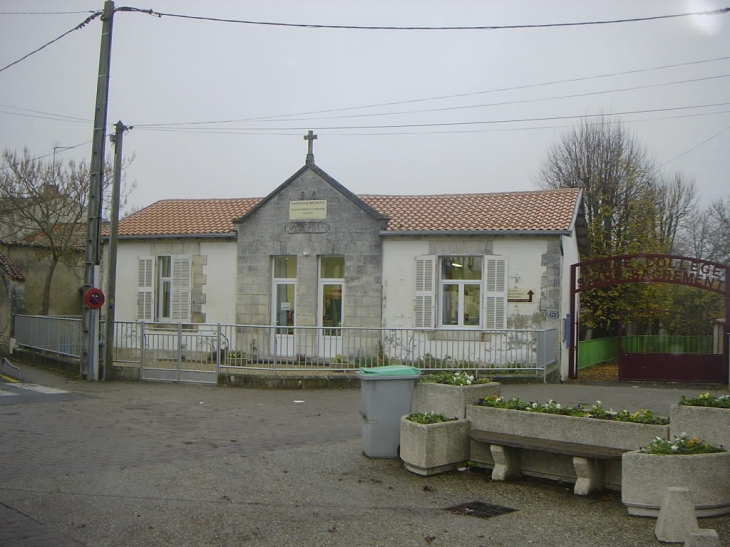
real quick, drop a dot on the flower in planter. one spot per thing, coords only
(682, 444)
(428, 418)
(455, 379)
(596, 411)
(721, 401)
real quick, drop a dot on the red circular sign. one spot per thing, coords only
(94, 298)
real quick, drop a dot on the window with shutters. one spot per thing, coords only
(164, 288)
(461, 291)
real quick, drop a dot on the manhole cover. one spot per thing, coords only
(480, 509)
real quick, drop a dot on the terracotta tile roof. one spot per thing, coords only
(75, 234)
(9, 269)
(544, 210)
(186, 217)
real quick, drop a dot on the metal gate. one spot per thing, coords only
(662, 346)
(181, 355)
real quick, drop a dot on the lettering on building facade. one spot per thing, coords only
(307, 227)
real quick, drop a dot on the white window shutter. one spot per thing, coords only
(425, 292)
(181, 288)
(145, 288)
(495, 292)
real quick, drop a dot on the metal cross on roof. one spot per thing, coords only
(310, 137)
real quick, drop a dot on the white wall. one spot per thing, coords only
(220, 287)
(218, 262)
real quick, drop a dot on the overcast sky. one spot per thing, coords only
(428, 88)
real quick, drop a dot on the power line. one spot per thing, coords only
(464, 123)
(77, 27)
(44, 12)
(44, 116)
(695, 147)
(504, 103)
(284, 132)
(443, 97)
(720, 11)
(64, 148)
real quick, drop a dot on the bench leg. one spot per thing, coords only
(590, 476)
(506, 462)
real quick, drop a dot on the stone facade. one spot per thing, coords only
(351, 229)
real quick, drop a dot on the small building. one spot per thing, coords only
(311, 254)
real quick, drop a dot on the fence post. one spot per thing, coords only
(218, 352)
(142, 353)
(179, 350)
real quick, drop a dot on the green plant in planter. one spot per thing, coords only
(428, 418)
(682, 444)
(455, 379)
(596, 411)
(721, 401)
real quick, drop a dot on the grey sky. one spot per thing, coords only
(170, 70)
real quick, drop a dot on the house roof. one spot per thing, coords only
(536, 211)
(187, 217)
(10, 270)
(74, 234)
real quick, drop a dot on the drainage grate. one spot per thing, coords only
(480, 509)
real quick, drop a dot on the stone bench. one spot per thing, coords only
(587, 459)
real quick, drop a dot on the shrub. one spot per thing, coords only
(428, 418)
(682, 444)
(454, 379)
(722, 401)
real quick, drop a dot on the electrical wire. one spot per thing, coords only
(443, 97)
(63, 148)
(503, 103)
(77, 27)
(45, 12)
(282, 133)
(464, 123)
(720, 11)
(695, 147)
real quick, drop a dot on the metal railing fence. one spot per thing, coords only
(173, 351)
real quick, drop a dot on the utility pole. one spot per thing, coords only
(90, 317)
(111, 289)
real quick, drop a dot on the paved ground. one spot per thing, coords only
(143, 464)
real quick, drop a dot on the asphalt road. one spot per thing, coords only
(150, 464)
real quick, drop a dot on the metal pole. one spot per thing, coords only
(111, 288)
(96, 186)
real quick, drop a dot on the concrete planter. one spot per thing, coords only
(428, 449)
(706, 423)
(604, 433)
(451, 400)
(623, 435)
(646, 478)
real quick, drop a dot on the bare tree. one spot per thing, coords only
(676, 202)
(719, 243)
(45, 203)
(616, 176)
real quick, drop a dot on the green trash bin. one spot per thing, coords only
(386, 394)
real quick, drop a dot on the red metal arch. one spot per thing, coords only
(645, 268)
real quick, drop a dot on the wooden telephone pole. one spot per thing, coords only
(89, 316)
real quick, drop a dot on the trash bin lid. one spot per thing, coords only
(391, 370)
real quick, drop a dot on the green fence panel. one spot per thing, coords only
(601, 350)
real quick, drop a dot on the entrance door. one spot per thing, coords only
(284, 305)
(332, 273)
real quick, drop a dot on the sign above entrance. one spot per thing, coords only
(308, 209)
(678, 270)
